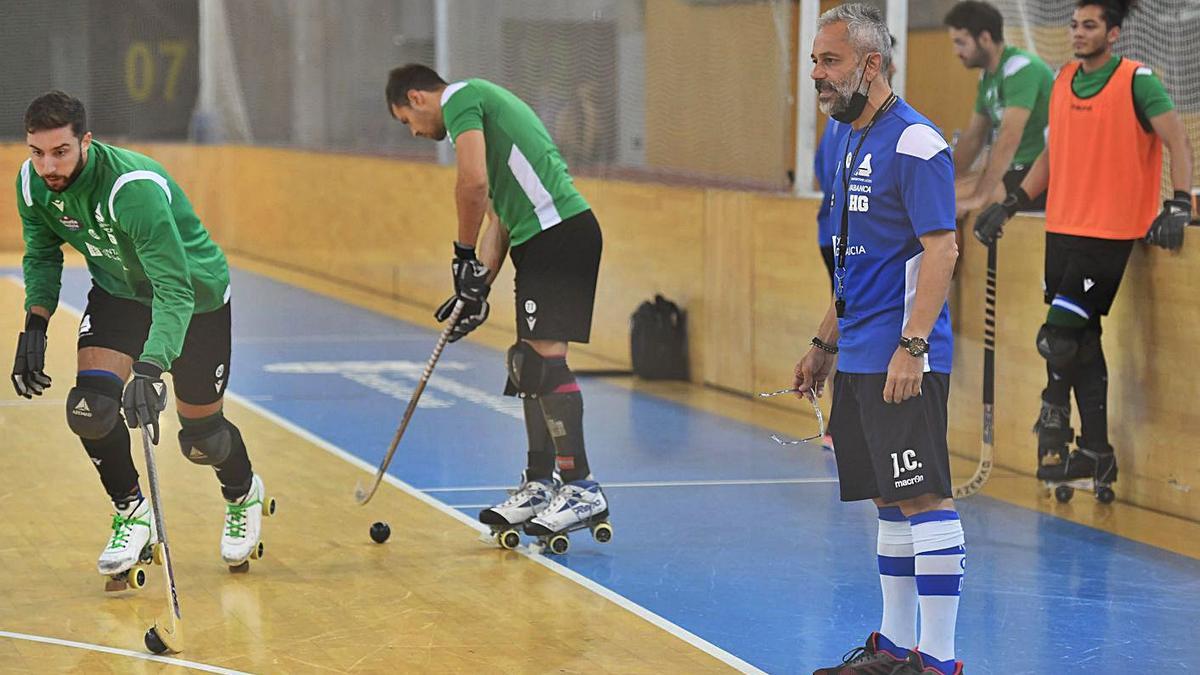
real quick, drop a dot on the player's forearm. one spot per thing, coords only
(933, 282)
(1038, 178)
(999, 160)
(1181, 164)
(965, 153)
(43, 280)
(471, 200)
(40, 311)
(493, 246)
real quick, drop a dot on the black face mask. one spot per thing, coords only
(854, 108)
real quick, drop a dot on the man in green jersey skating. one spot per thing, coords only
(506, 156)
(1011, 106)
(159, 303)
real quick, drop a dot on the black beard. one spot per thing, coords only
(1091, 55)
(74, 174)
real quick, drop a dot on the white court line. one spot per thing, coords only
(606, 593)
(669, 483)
(121, 652)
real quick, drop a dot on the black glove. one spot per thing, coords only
(145, 397)
(989, 224)
(1167, 229)
(28, 377)
(472, 287)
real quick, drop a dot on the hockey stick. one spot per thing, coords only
(816, 412)
(361, 494)
(986, 452)
(162, 637)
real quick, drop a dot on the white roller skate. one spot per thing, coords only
(506, 518)
(579, 504)
(130, 548)
(241, 540)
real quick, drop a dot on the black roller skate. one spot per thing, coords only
(1085, 469)
(1054, 432)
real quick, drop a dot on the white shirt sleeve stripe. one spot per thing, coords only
(25, 192)
(1014, 65)
(1143, 70)
(451, 90)
(920, 140)
(141, 174)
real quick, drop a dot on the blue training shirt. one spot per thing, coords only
(825, 163)
(902, 187)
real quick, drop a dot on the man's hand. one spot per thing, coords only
(989, 225)
(28, 376)
(968, 205)
(812, 371)
(1167, 229)
(471, 285)
(145, 397)
(473, 315)
(904, 376)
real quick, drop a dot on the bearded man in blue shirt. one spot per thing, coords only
(888, 330)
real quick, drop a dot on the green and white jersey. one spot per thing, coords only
(140, 237)
(528, 181)
(1022, 80)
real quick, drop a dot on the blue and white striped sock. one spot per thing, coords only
(940, 562)
(899, 582)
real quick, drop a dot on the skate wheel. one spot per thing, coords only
(157, 554)
(559, 544)
(268, 507)
(240, 568)
(509, 539)
(1063, 493)
(257, 552)
(137, 577)
(154, 643)
(602, 532)
(1105, 495)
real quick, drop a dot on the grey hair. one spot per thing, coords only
(868, 31)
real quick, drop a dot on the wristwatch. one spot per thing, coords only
(915, 345)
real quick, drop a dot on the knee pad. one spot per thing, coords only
(209, 446)
(94, 406)
(526, 371)
(1058, 345)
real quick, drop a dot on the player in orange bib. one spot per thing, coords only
(1109, 119)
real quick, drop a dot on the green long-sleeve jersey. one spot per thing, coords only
(139, 234)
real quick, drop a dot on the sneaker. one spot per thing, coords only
(915, 665)
(132, 531)
(243, 524)
(868, 659)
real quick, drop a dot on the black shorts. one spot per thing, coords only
(201, 372)
(889, 450)
(1086, 270)
(556, 280)
(1012, 180)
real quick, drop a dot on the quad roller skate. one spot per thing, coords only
(1084, 469)
(241, 540)
(508, 517)
(1054, 432)
(578, 505)
(131, 548)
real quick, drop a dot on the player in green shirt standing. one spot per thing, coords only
(505, 155)
(159, 303)
(1011, 107)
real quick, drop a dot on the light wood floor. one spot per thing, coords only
(325, 598)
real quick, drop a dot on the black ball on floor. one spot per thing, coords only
(154, 643)
(380, 532)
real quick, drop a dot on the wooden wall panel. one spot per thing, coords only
(744, 265)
